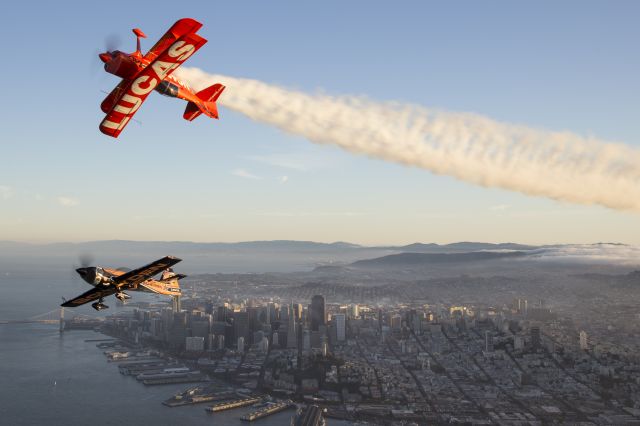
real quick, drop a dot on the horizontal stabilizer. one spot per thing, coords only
(174, 277)
(211, 93)
(207, 104)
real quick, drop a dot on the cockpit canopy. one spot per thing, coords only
(168, 89)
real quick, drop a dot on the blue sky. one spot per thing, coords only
(553, 65)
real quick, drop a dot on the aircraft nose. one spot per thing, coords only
(105, 57)
(82, 272)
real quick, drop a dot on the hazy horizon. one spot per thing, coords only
(236, 179)
(328, 242)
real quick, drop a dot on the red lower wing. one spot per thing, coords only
(113, 97)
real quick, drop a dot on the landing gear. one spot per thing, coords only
(122, 296)
(98, 306)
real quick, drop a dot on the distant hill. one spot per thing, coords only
(408, 260)
(461, 247)
(292, 255)
(247, 256)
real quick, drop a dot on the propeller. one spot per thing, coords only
(112, 42)
(86, 260)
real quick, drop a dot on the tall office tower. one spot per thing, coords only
(341, 326)
(535, 337)
(355, 310)
(264, 344)
(241, 344)
(61, 320)
(275, 339)
(414, 320)
(396, 322)
(176, 304)
(208, 308)
(257, 337)
(284, 312)
(292, 335)
(584, 344)
(230, 335)
(518, 343)
(241, 324)
(253, 314)
(297, 308)
(306, 340)
(200, 328)
(271, 313)
(221, 313)
(488, 341)
(317, 312)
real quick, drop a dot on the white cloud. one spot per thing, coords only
(298, 161)
(68, 201)
(601, 252)
(500, 207)
(285, 161)
(310, 214)
(283, 179)
(245, 174)
(6, 192)
(558, 165)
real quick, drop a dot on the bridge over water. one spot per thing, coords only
(55, 316)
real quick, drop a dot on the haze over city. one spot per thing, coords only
(568, 68)
(335, 213)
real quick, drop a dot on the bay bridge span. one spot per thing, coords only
(56, 317)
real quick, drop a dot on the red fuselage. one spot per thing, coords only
(128, 65)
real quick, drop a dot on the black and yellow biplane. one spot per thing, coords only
(115, 281)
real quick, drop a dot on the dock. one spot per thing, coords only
(309, 416)
(189, 378)
(236, 403)
(137, 368)
(181, 399)
(267, 411)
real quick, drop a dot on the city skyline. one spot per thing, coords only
(410, 212)
(544, 66)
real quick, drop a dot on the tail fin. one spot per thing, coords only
(207, 104)
(170, 281)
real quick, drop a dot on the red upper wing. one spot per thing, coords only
(180, 28)
(139, 87)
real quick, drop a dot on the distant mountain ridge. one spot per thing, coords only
(279, 244)
(421, 259)
(294, 255)
(463, 246)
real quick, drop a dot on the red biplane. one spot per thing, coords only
(143, 73)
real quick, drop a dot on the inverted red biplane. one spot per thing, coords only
(142, 74)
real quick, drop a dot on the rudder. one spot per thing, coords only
(208, 97)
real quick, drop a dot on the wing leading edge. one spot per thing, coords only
(89, 296)
(141, 274)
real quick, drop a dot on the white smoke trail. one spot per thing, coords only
(558, 165)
